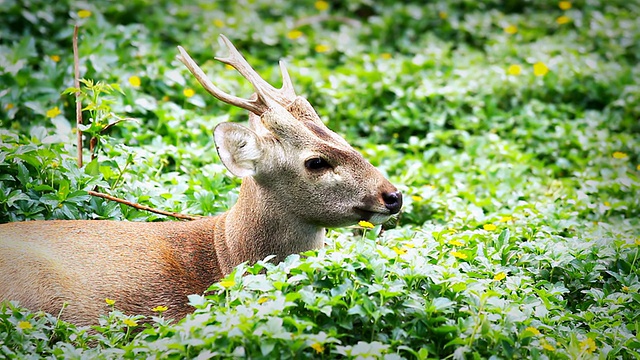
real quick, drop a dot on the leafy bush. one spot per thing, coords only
(510, 126)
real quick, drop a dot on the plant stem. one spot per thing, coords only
(126, 165)
(478, 324)
(634, 260)
(76, 82)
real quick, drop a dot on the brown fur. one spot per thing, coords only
(139, 265)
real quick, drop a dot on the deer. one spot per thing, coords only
(298, 178)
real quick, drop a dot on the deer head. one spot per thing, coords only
(289, 152)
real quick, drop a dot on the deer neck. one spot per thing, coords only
(259, 225)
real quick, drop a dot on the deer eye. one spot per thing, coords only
(317, 163)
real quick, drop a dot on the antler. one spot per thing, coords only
(266, 93)
(283, 96)
(256, 106)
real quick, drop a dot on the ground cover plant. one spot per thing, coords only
(510, 126)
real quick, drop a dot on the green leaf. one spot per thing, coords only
(77, 197)
(92, 168)
(70, 91)
(503, 238)
(266, 348)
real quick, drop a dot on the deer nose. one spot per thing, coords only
(392, 201)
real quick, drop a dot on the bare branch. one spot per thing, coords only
(143, 207)
(76, 82)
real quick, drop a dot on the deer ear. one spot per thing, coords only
(238, 148)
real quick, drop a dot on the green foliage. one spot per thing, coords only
(99, 108)
(510, 126)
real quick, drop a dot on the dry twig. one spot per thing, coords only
(143, 207)
(76, 83)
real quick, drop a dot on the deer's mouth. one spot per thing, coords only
(372, 215)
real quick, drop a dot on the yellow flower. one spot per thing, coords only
(318, 347)
(321, 48)
(456, 243)
(160, 309)
(294, 34)
(564, 5)
(540, 69)
(499, 276)
(532, 330)
(263, 300)
(227, 283)
(514, 70)
(53, 112)
(134, 81)
(620, 155)
(25, 325)
(55, 58)
(638, 241)
(228, 67)
(511, 29)
(385, 56)
(588, 345)
(625, 288)
(443, 15)
(545, 345)
(409, 245)
(637, 167)
(129, 322)
(10, 106)
(416, 198)
(506, 219)
(606, 203)
(322, 5)
(561, 20)
(84, 14)
(399, 251)
(218, 23)
(459, 255)
(188, 92)
(109, 301)
(365, 224)
(489, 227)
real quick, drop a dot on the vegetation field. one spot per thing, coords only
(511, 128)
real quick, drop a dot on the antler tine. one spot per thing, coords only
(287, 85)
(265, 91)
(256, 106)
